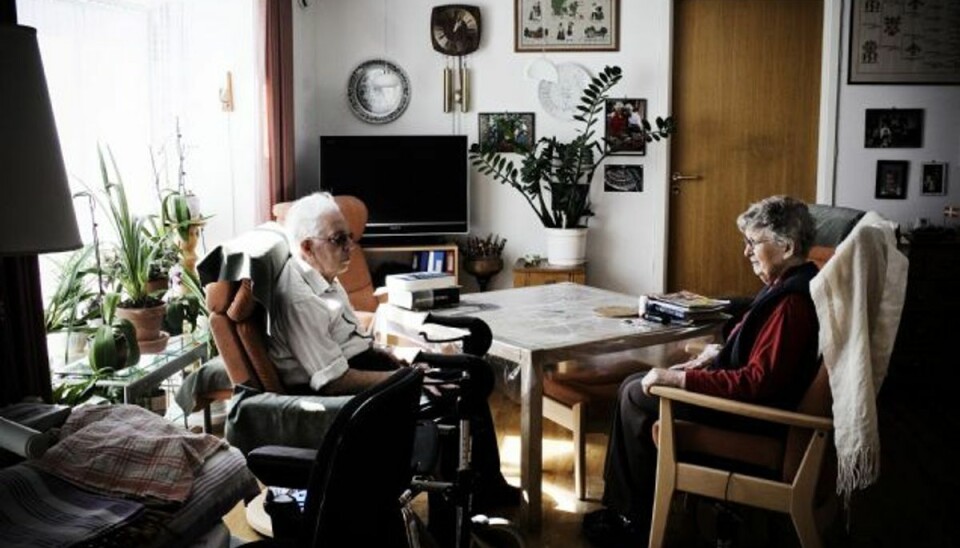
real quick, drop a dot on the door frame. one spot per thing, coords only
(831, 66)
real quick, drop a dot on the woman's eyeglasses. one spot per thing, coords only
(751, 244)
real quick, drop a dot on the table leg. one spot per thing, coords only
(531, 440)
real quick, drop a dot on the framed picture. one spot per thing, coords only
(898, 42)
(506, 131)
(566, 25)
(893, 128)
(623, 178)
(891, 179)
(623, 119)
(933, 179)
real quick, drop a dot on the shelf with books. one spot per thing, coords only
(421, 258)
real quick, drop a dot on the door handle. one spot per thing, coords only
(677, 176)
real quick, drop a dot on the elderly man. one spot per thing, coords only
(770, 357)
(316, 341)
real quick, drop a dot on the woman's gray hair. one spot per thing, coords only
(303, 220)
(786, 218)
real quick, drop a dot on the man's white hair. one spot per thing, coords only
(303, 220)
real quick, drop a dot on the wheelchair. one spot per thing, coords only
(385, 447)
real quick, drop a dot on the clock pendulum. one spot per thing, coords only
(455, 32)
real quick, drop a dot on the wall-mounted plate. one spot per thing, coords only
(560, 98)
(378, 91)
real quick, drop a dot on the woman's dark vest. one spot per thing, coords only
(736, 351)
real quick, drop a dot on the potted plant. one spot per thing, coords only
(555, 177)
(482, 257)
(70, 306)
(133, 256)
(114, 343)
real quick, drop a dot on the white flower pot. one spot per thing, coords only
(566, 246)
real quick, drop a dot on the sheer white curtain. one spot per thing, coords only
(122, 72)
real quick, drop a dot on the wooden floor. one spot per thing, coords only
(913, 504)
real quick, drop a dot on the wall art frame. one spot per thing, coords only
(893, 128)
(623, 178)
(892, 179)
(507, 131)
(566, 25)
(933, 179)
(898, 42)
(623, 129)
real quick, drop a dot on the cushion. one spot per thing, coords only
(833, 223)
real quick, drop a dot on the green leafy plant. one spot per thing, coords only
(554, 177)
(70, 303)
(115, 342)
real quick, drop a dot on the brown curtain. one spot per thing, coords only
(279, 99)
(24, 367)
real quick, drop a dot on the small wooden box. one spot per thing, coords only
(545, 273)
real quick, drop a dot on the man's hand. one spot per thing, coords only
(662, 377)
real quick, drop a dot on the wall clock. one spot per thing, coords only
(455, 29)
(560, 98)
(378, 91)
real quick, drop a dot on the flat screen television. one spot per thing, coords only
(413, 185)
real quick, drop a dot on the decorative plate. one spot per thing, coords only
(560, 98)
(379, 91)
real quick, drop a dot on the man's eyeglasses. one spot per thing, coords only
(342, 240)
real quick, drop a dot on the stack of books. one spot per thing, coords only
(422, 290)
(684, 308)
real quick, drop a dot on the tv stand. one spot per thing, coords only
(381, 253)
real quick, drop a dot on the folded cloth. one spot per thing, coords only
(859, 297)
(127, 450)
(37, 509)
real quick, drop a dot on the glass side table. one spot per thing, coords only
(150, 372)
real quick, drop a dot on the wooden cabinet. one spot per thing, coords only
(926, 338)
(544, 273)
(378, 254)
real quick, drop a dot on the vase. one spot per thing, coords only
(483, 268)
(566, 246)
(147, 322)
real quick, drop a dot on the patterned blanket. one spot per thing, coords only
(39, 510)
(126, 450)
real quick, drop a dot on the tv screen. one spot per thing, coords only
(411, 184)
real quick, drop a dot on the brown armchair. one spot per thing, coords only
(794, 474)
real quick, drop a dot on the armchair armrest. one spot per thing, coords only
(761, 412)
(282, 466)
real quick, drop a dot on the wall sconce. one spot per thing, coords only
(456, 87)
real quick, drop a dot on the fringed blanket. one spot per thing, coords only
(39, 510)
(859, 296)
(128, 451)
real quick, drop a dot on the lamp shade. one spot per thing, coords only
(36, 209)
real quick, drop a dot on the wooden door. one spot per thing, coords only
(746, 94)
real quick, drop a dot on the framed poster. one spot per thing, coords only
(891, 179)
(623, 121)
(623, 178)
(566, 25)
(904, 42)
(893, 128)
(933, 179)
(506, 131)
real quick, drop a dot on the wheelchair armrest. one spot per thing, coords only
(478, 338)
(281, 466)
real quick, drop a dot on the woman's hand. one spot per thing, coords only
(705, 358)
(662, 377)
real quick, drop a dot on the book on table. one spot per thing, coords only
(413, 281)
(424, 299)
(684, 307)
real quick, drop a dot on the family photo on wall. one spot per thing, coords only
(624, 126)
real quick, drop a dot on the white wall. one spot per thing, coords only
(856, 166)
(625, 244)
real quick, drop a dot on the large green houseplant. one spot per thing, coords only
(554, 176)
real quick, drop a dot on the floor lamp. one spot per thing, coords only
(36, 210)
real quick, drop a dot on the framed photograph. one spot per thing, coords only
(897, 42)
(623, 119)
(893, 128)
(623, 178)
(933, 179)
(566, 25)
(892, 179)
(506, 131)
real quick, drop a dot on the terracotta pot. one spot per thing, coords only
(158, 284)
(147, 322)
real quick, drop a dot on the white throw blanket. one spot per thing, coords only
(859, 296)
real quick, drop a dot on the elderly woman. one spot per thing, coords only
(769, 357)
